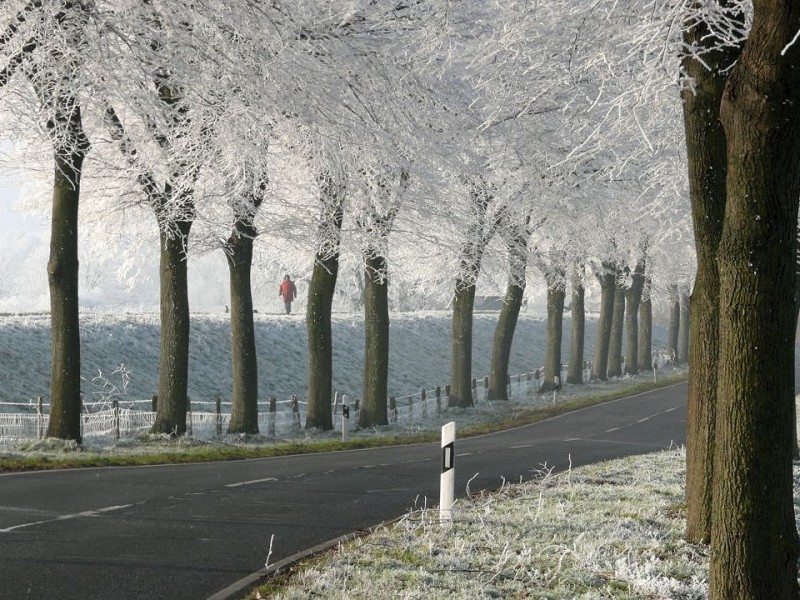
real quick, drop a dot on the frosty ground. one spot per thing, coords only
(612, 530)
(604, 531)
(419, 353)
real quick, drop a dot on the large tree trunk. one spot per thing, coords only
(645, 352)
(376, 335)
(62, 272)
(633, 297)
(684, 328)
(705, 149)
(472, 250)
(507, 322)
(575, 371)
(608, 286)
(796, 452)
(754, 545)
(320, 303)
(503, 338)
(244, 364)
(673, 329)
(461, 361)
(173, 362)
(617, 326)
(555, 328)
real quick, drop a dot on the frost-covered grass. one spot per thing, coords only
(611, 530)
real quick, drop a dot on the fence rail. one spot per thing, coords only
(110, 420)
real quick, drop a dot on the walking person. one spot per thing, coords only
(288, 292)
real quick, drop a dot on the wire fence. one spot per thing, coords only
(115, 418)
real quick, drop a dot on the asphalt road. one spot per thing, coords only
(188, 531)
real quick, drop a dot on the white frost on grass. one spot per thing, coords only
(611, 530)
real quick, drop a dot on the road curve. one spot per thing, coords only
(188, 531)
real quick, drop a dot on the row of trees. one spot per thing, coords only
(545, 133)
(178, 93)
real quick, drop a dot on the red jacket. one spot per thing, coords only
(287, 290)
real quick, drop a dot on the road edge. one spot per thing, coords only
(237, 590)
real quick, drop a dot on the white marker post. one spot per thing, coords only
(345, 420)
(447, 481)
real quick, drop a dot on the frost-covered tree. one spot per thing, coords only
(45, 42)
(376, 224)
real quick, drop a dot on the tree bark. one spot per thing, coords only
(633, 297)
(464, 298)
(796, 451)
(320, 303)
(244, 363)
(173, 362)
(684, 328)
(461, 362)
(555, 329)
(673, 329)
(575, 372)
(617, 326)
(503, 338)
(754, 545)
(608, 288)
(376, 336)
(62, 272)
(507, 322)
(645, 352)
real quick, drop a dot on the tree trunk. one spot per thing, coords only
(608, 287)
(503, 338)
(796, 451)
(754, 545)
(62, 272)
(617, 325)
(633, 297)
(705, 149)
(674, 323)
(461, 361)
(575, 372)
(244, 364)
(684, 328)
(320, 303)
(555, 328)
(173, 361)
(376, 335)
(507, 322)
(645, 352)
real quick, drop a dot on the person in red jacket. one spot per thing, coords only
(288, 292)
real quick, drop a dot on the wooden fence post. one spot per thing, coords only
(423, 396)
(392, 409)
(335, 406)
(438, 392)
(219, 414)
(115, 406)
(189, 429)
(154, 402)
(273, 407)
(295, 412)
(39, 419)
